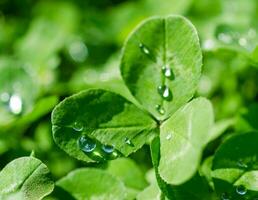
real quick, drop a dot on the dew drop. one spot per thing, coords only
(78, 51)
(4, 97)
(78, 126)
(15, 104)
(242, 41)
(225, 196)
(242, 164)
(160, 109)
(167, 72)
(144, 49)
(86, 144)
(169, 136)
(241, 190)
(165, 92)
(225, 38)
(129, 142)
(108, 148)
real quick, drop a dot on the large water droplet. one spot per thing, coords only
(86, 144)
(241, 190)
(165, 92)
(129, 142)
(160, 109)
(225, 196)
(15, 104)
(108, 148)
(78, 126)
(166, 70)
(144, 49)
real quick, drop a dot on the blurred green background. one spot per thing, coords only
(52, 49)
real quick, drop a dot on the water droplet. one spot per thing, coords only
(225, 196)
(168, 72)
(78, 126)
(78, 51)
(108, 148)
(160, 109)
(242, 164)
(129, 142)
(15, 104)
(225, 38)
(144, 49)
(241, 190)
(86, 144)
(4, 97)
(165, 92)
(208, 44)
(169, 136)
(242, 41)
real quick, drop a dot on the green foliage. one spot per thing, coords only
(170, 113)
(25, 178)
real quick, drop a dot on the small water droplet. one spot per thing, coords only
(242, 41)
(225, 38)
(242, 164)
(15, 104)
(108, 148)
(165, 92)
(169, 136)
(208, 44)
(129, 142)
(5, 97)
(160, 109)
(225, 196)
(168, 72)
(241, 190)
(86, 144)
(78, 126)
(144, 49)
(78, 51)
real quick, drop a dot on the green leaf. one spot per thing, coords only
(161, 64)
(128, 172)
(235, 166)
(182, 139)
(196, 188)
(102, 118)
(220, 127)
(86, 184)
(152, 192)
(25, 178)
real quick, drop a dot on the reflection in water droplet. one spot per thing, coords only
(5, 97)
(169, 136)
(144, 49)
(86, 144)
(167, 72)
(78, 126)
(242, 164)
(108, 148)
(225, 196)
(225, 38)
(129, 142)
(160, 109)
(241, 190)
(78, 51)
(15, 104)
(165, 92)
